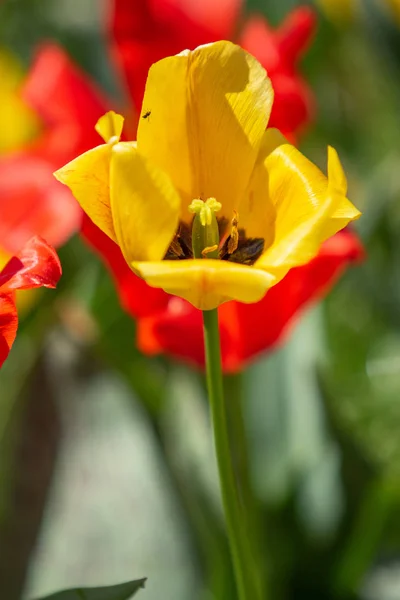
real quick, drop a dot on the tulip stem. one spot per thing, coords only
(239, 542)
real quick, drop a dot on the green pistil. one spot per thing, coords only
(205, 233)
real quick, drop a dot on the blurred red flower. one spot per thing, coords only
(141, 33)
(31, 201)
(247, 330)
(36, 265)
(145, 31)
(279, 52)
(167, 324)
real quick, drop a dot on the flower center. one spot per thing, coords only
(205, 231)
(210, 237)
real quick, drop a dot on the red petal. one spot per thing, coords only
(218, 19)
(285, 302)
(258, 38)
(247, 330)
(178, 332)
(137, 298)
(295, 34)
(278, 51)
(68, 103)
(32, 203)
(293, 106)
(147, 30)
(8, 325)
(36, 265)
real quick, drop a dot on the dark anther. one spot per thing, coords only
(247, 252)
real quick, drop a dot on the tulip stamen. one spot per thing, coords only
(181, 246)
(209, 249)
(233, 239)
(238, 248)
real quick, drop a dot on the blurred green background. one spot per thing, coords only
(107, 468)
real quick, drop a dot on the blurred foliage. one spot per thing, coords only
(123, 591)
(85, 419)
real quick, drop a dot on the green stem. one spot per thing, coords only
(246, 581)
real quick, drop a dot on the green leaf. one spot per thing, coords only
(122, 591)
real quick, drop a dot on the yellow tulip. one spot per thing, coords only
(204, 150)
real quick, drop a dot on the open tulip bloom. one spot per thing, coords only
(210, 205)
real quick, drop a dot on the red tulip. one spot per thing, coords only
(248, 330)
(76, 105)
(279, 52)
(145, 31)
(170, 325)
(31, 201)
(36, 265)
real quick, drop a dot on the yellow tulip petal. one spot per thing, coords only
(298, 246)
(343, 211)
(145, 205)
(338, 188)
(109, 126)
(336, 175)
(309, 208)
(206, 283)
(88, 178)
(257, 213)
(298, 191)
(209, 109)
